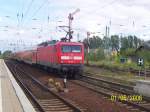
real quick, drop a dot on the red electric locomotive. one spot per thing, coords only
(65, 57)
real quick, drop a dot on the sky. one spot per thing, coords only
(24, 23)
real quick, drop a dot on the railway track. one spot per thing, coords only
(108, 89)
(142, 72)
(43, 99)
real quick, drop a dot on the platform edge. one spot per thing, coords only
(25, 103)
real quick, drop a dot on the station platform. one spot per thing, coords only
(12, 97)
(143, 87)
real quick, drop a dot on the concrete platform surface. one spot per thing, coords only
(12, 97)
(143, 87)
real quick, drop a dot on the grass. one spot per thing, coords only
(117, 65)
(121, 77)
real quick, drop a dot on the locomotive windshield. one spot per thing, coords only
(71, 48)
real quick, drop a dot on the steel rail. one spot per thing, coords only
(26, 89)
(120, 87)
(67, 102)
(111, 90)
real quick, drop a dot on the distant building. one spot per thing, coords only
(145, 45)
(114, 52)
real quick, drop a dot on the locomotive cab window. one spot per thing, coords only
(71, 48)
(76, 48)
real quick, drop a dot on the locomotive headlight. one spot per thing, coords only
(64, 57)
(77, 58)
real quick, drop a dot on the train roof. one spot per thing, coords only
(34, 50)
(55, 42)
(48, 43)
(69, 43)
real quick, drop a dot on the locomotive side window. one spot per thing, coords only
(71, 48)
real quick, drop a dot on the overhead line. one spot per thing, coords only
(38, 9)
(110, 3)
(19, 13)
(26, 12)
(22, 8)
(28, 9)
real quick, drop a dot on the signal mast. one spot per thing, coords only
(70, 31)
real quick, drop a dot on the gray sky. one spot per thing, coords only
(19, 18)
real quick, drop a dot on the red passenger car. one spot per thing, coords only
(65, 57)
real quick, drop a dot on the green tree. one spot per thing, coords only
(130, 41)
(135, 42)
(106, 42)
(145, 54)
(99, 42)
(115, 41)
(94, 42)
(100, 54)
(124, 43)
(7, 53)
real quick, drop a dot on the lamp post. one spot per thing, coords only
(87, 58)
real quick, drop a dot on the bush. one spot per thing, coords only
(100, 54)
(145, 54)
(96, 55)
(6, 54)
(128, 52)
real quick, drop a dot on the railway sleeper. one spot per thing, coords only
(135, 110)
(49, 100)
(47, 109)
(61, 111)
(146, 104)
(54, 104)
(50, 104)
(142, 102)
(58, 106)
